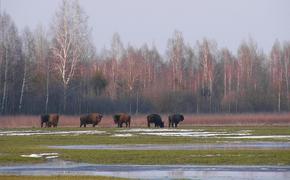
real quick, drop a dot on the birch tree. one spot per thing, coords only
(276, 73)
(43, 59)
(11, 48)
(207, 70)
(176, 59)
(70, 33)
(28, 49)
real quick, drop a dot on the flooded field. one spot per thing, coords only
(148, 153)
(57, 167)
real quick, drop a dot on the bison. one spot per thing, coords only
(156, 119)
(93, 118)
(122, 118)
(50, 120)
(174, 119)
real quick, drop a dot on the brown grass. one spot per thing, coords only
(21, 121)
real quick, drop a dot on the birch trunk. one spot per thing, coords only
(287, 82)
(47, 87)
(23, 86)
(5, 82)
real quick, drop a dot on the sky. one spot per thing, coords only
(228, 22)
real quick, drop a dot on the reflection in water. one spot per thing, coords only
(59, 167)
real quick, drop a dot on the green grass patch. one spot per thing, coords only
(206, 157)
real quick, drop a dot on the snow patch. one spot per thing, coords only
(158, 130)
(194, 134)
(44, 132)
(46, 155)
(122, 135)
(259, 137)
(51, 157)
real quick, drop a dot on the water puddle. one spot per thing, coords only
(240, 145)
(58, 167)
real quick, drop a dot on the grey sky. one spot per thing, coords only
(229, 22)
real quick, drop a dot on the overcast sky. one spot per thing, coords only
(229, 22)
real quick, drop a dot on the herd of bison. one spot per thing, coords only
(51, 120)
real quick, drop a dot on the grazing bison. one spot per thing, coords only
(156, 119)
(122, 118)
(174, 119)
(50, 120)
(93, 118)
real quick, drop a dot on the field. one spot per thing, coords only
(214, 142)
(140, 120)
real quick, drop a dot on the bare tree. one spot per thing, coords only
(43, 59)
(70, 33)
(207, 70)
(28, 49)
(176, 58)
(276, 73)
(10, 44)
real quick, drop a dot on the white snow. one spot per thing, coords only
(44, 132)
(32, 156)
(194, 134)
(46, 155)
(157, 130)
(259, 137)
(122, 135)
(51, 157)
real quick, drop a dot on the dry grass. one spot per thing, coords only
(21, 121)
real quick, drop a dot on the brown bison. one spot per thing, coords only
(93, 118)
(50, 120)
(174, 119)
(156, 119)
(122, 118)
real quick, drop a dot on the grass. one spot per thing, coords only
(4, 177)
(13, 146)
(205, 157)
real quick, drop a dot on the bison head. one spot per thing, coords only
(162, 124)
(181, 117)
(99, 117)
(116, 118)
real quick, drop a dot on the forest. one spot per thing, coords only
(59, 70)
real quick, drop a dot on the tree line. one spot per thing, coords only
(58, 70)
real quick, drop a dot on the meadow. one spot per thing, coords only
(23, 142)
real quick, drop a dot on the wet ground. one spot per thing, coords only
(230, 145)
(194, 133)
(58, 167)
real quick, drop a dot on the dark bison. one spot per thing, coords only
(174, 119)
(156, 119)
(93, 118)
(50, 120)
(122, 118)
